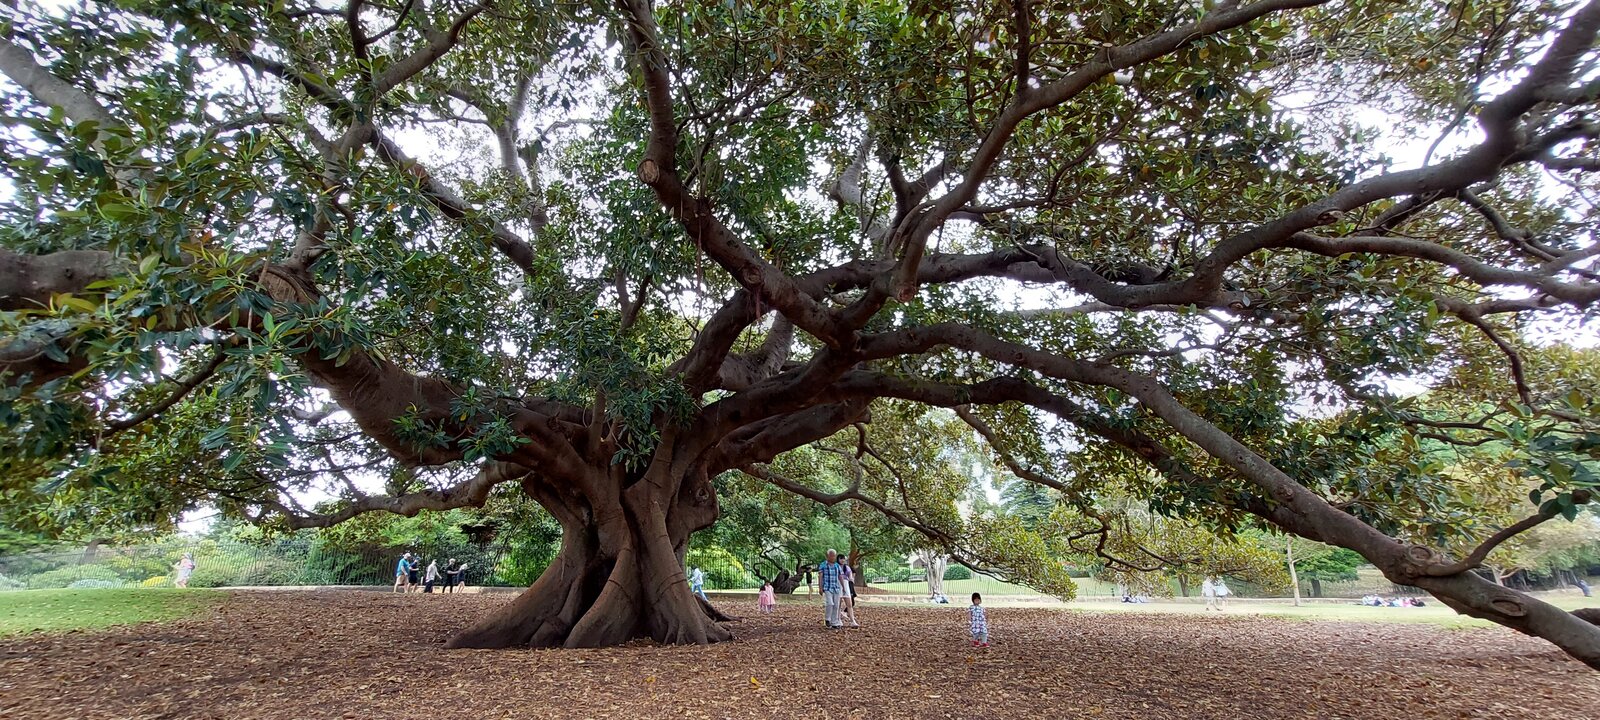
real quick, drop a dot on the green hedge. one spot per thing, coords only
(957, 572)
(212, 575)
(62, 577)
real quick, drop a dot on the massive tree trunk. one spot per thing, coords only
(853, 559)
(619, 574)
(935, 565)
(785, 582)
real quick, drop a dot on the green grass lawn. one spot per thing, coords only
(988, 586)
(1435, 613)
(30, 611)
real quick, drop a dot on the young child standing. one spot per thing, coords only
(768, 598)
(978, 622)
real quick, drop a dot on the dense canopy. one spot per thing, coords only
(1219, 264)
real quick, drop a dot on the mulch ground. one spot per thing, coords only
(372, 655)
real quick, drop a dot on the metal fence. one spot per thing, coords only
(235, 564)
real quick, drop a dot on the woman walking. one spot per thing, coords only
(184, 567)
(847, 600)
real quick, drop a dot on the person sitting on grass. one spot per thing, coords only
(978, 622)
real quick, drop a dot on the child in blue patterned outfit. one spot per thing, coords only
(978, 622)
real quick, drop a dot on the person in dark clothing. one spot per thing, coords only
(452, 575)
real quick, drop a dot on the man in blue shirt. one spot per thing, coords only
(402, 570)
(829, 581)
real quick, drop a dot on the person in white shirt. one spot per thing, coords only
(431, 576)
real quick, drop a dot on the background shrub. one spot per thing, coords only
(267, 572)
(62, 577)
(957, 572)
(157, 581)
(91, 584)
(896, 574)
(723, 570)
(212, 575)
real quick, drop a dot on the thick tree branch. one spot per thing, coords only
(182, 390)
(912, 237)
(659, 171)
(469, 493)
(1476, 557)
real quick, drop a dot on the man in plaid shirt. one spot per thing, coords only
(829, 581)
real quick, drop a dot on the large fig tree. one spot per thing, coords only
(305, 259)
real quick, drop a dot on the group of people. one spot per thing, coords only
(1377, 601)
(1216, 593)
(182, 569)
(410, 576)
(837, 582)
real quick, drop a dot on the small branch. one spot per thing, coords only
(1022, 27)
(184, 387)
(469, 493)
(438, 44)
(1476, 557)
(993, 439)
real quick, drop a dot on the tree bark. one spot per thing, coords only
(619, 573)
(853, 559)
(1294, 577)
(935, 565)
(786, 582)
(1316, 588)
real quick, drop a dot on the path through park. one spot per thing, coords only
(372, 655)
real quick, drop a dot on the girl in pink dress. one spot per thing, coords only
(767, 598)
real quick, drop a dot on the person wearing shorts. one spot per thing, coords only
(847, 601)
(402, 570)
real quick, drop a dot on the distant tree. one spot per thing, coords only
(1029, 502)
(1318, 563)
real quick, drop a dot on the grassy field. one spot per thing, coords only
(1434, 614)
(989, 586)
(29, 611)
